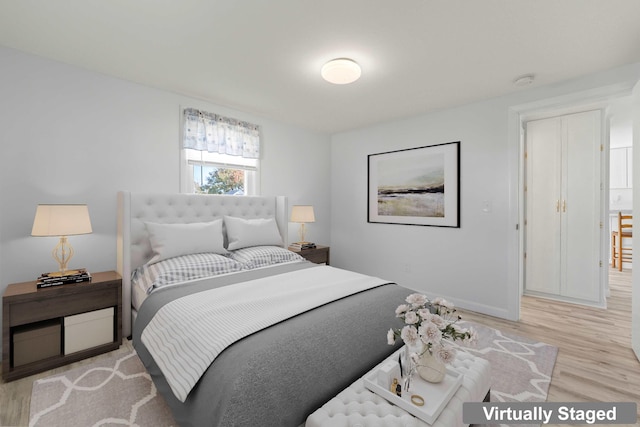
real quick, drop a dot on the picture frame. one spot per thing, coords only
(415, 186)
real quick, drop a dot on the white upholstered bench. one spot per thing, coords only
(356, 406)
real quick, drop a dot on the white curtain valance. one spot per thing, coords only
(210, 132)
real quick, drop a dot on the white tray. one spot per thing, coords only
(435, 395)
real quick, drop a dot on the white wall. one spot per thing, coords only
(474, 266)
(68, 135)
(635, 283)
(620, 135)
(431, 259)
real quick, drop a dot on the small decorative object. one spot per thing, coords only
(77, 276)
(430, 368)
(395, 387)
(428, 325)
(417, 400)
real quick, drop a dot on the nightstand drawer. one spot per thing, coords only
(318, 255)
(64, 304)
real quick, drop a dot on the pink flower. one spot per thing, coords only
(424, 314)
(417, 299)
(429, 333)
(401, 310)
(409, 335)
(438, 320)
(411, 318)
(445, 354)
(443, 302)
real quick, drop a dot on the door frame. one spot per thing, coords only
(517, 115)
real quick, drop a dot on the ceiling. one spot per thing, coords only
(264, 56)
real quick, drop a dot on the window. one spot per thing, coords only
(215, 173)
(219, 155)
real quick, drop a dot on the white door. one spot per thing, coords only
(563, 216)
(543, 185)
(581, 217)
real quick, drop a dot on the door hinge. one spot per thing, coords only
(601, 225)
(600, 263)
(525, 155)
(601, 147)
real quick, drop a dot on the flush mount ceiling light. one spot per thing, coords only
(523, 81)
(341, 71)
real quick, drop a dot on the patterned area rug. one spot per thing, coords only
(113, 391)
(117, 390)
(520, 368)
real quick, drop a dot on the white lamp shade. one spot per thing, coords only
(302, 213)
(341, 71)
(61, 220)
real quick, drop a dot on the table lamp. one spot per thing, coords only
(62, 221)
(302, 214)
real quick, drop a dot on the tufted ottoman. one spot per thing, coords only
(356, 406)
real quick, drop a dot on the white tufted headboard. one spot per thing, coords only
(134, 209)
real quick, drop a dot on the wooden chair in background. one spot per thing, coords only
(619, 252)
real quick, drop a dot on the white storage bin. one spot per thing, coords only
(86, 330)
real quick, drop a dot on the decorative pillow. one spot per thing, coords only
(261, 256)
(243, 233)
(180, 269)
(171, 240)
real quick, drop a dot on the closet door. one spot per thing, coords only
(581, 206)
(543, 183)
(563, 212)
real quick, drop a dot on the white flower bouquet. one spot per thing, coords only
(428, 325)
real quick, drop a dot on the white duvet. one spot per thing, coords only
(186, 335)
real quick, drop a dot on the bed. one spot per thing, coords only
(234, 329)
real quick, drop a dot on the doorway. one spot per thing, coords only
(599, 98)
(564, 207)
(620, 168)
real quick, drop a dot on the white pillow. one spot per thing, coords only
(171, 240)
(261, 256)
(243, 233)
(179, 269)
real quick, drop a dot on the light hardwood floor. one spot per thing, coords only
(595, 361)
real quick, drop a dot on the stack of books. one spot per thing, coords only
(300, 246)
(49, 279)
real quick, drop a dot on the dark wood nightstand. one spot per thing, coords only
(319, 254)
(35, 322)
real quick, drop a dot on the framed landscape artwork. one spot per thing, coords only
(416, 186)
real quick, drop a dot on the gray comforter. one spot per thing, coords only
(280, 375)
